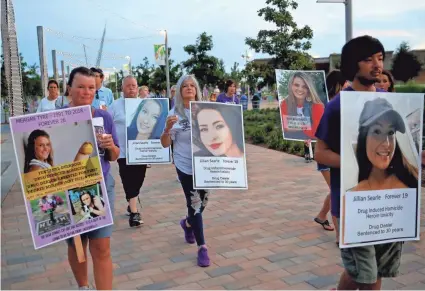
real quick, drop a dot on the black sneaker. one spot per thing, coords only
(128, 211)
(135, 220)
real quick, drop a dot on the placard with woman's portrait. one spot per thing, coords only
(381, 135)
(218, 146)
(145, 121)
(56, 153)
(302, 99)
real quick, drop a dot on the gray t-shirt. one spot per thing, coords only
(180, 135)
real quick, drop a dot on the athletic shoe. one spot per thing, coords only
(135, 220)
(188, 232)
(203, 259)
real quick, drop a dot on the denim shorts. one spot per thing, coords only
(321, 167)
(107, 230)
(366, 264)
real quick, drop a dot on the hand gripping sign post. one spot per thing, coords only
(218, 146)
(145, 121)
(380, 167)
(61, 175)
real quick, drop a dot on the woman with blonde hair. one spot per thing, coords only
(304, 102)
(178, 131)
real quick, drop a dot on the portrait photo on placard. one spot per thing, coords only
(87, 202)
(217, 130)
(44, 148)
(218, 146)
(145, 122)
(302, 99)
(381, 137)
(145, 118)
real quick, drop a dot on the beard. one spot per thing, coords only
(367, 82)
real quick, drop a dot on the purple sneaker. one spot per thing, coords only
(188, 232)
(203, 259)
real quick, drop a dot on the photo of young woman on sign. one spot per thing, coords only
(217, 130)
(148, 120)
(302, 97)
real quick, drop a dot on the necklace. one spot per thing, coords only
(390, 184)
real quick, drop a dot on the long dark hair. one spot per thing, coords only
(30, 149)
(84, 192)
(334, 83)
(231, 115)
(159, 125)
(399, 166)
(390, 79)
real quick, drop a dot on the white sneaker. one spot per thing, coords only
(85, 288)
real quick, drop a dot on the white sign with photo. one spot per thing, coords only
(218, 146)
(380, 167)
(145, 122)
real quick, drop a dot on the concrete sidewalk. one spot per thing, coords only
(9, 171)
(263, 238)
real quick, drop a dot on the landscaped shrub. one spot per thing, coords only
(410, 87)
(264, 127)
(258, 136)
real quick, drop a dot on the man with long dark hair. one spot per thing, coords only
(362, 62)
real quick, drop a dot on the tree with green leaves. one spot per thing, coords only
(158, 81)
(287, 44)
(207, 69)
(143, 72)
(406, 65)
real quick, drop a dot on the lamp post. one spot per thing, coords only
(247, 57)
(167, 65)
(129, 64)
(116, 82)
(348, 16)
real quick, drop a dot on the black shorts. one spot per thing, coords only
(132, 178)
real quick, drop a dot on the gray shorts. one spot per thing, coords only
(107, 230)
(368, 263)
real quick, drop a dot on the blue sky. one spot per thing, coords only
(228, 21)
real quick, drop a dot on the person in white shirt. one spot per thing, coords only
(144, 92)
(48, 103)
(132, 176)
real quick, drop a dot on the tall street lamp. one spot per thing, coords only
(348, 16)
(247, 57)
(129, 64)
(167, 65)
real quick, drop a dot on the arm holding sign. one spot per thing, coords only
(324, 155)
(166, 136)
(325, 134)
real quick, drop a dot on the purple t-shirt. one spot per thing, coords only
(109, 128)
(329, 131)
(222, 98)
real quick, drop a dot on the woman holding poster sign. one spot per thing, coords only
(382, 164)
(148, 121)
(217, 130)
(178, 131)
(82, 88)
(302, 109)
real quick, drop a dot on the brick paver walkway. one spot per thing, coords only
(263, 238)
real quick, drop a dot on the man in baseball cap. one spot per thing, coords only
(362, 62)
